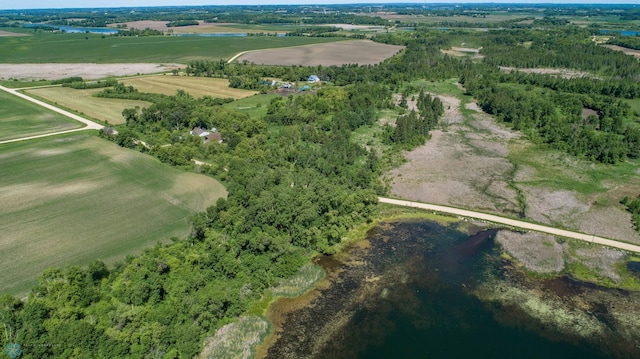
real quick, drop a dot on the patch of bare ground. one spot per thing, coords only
(537, 252)
(87, 71)
(464, 52)
(632, 52)
(460, 166)
(8, 34)
(564, 73)
(362, 52)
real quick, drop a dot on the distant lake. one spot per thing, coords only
(75, 30)
(622, 32)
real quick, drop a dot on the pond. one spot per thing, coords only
(418, 289)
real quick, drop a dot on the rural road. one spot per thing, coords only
(515, 223)
(238, 55)
(90, 125)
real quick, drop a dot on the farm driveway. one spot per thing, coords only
(90, 125)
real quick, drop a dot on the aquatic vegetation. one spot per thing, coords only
(550, 312)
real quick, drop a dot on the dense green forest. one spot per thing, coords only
(296, 180)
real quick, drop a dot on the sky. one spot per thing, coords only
(48, 4)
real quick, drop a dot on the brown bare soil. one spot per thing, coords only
(460, 165)
(632, 52)
(86, 71)
(201, 28)
(8, 33)
(363, 52)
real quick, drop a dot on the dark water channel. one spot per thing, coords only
(406, 292)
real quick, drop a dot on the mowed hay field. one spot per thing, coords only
(21, 118)
(76, 198)
(196, 86)
(362, 52)
(103, 109)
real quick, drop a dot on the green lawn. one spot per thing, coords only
(21, 118)
(256, 106)
(75, 198)
(83, 48)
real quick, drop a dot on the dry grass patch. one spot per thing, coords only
(196, 86)
(362, 52)
(9, 34)
(103, 109)
(564, 73)
(632, 52)
(86, 71)
(537, 252)
(463, 165)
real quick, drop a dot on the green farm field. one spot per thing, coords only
(91, 48)
(20, 118)
(107, 110)
(76, 198)
(196, 86)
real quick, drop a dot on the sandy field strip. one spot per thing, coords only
(86, 71)
(362, 52)
(516, 223)
(9, 34)
(104, 109)
(196, 86)
(632, 52)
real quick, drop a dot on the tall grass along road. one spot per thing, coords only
(516, 223)
(90, 125)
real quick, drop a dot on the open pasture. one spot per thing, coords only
(196, 86)
(76, 198)
(93, 48)
(362, 52)
(20, 118)
(107, 110)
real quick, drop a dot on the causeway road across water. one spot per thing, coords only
(516, 223)
(89, 125)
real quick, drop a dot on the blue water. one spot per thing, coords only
(76, 30)
(622, 32)
(408, 293)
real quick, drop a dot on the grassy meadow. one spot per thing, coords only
(94, 48)
(20, 118)
(107, 110)
(196, 86)
(256, 106)
(76, 198)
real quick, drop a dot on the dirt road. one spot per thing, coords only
(89, 125)
(516, 223)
